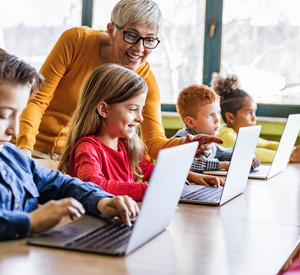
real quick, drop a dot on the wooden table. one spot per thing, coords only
(251, 234)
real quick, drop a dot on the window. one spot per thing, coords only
(260, 43)
(178, 60)
(29, 29)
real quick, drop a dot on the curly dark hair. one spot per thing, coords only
(231, 96)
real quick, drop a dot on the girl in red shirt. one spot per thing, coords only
(102, 144)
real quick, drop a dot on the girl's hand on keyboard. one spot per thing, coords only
(207, 180)
(123, 207)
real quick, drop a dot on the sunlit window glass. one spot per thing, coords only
(29, 29)
(178, 60)
(260, 43)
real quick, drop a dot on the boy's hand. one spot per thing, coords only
(204, 148)
(207, 180)
(255, 164)
(123, 207)
(52, 212)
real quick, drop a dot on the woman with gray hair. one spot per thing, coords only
(130, 38)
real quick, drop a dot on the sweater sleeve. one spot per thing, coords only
(265, 155)
(223, 153)
(13, 224)
(265, 150)
(153, 133)
(53, 70)
(267, 144)
(228, 135)
(204, 164)
(87, 166)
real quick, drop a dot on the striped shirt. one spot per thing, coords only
(218, 153)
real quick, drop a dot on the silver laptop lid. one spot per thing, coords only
(286, 145)
(162, 195)
(240, 164)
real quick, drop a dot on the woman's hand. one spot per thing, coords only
(123, 207)
(207, 180)
(204, 147)
(52, 212)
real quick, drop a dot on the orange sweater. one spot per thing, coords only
(45, 121)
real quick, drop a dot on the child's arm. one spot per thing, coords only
(224, 165)
(207, 180)
(222, 153)
(63, 195)
(267, 144)
(205, 164)
(86, 164)
(24, 184)
(219, 159)
(228, 135)
(50, 214)
(147, 168)
(265, 155)
(135, 190)
(13, 224)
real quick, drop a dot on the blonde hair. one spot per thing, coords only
(135, 12)
(192, 97)
(113, 84)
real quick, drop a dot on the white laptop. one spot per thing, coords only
(282, 155)
(97, 235)
(237, 176)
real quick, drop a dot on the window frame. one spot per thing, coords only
(211, 56)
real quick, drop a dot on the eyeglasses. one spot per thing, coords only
(134, 38)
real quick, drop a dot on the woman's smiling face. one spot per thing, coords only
(128, 55)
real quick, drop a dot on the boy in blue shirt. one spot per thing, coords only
(24, 184)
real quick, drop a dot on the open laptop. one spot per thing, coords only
(282, 155)
(237, 176)
(291, 257)
(111, 237)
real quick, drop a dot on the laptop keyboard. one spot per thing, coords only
(204, 194)
(109, 236)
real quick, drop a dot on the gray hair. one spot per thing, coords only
(135, 12)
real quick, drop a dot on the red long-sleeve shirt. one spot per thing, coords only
(91, 160)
